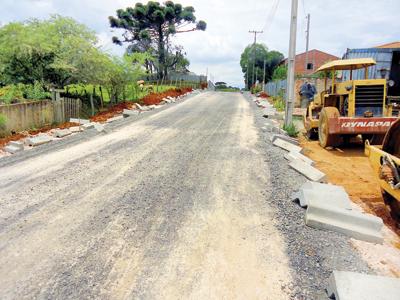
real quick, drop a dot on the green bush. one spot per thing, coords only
(18, 92)
(35, 92)
(256, 89)
(11, 93)
(291, 130)
(280, 73)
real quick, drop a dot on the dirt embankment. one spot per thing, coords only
(153, 98)
(349, 167)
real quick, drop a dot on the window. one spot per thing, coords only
(310, 66)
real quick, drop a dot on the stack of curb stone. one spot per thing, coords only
(329, 207)
(297, 160)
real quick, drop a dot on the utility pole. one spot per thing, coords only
(255, 32)
(291, 65)
(264, 77)
(307, 40)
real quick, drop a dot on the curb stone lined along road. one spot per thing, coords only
(313, 253)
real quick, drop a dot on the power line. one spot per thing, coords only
(304, 8)
(271, 15)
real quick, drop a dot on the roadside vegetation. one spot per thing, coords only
(278, 101)
(291, 130)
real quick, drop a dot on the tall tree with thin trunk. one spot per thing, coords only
(152, 25)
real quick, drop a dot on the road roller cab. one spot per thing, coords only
(349, 108)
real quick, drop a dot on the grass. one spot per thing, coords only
(279, 103)
(291, 130)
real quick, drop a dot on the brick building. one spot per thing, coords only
(316, 59)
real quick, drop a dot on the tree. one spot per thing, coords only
(252, 63)
(118, 73)
(57, 51)
(152, 25)
(280, 73)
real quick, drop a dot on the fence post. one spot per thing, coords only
(91, 103)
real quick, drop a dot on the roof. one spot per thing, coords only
(347, 64)
(310, 53)
(390, 45)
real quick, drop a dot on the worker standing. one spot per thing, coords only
(307, 92)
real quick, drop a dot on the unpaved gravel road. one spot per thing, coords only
(170, 206)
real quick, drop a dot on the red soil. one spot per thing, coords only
(112, 111)
(263, 95)
(24, 134)
(150, 99)
(155, 98)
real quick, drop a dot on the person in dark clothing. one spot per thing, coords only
(307, 92)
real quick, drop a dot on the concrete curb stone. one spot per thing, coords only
(38, 140)
(287, 146)
(79, 121)
(352, 223)
(308, 171)
(293, 155)
(345, 285)
(60, 133)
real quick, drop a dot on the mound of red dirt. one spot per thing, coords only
(150, 99)
(156, 98)
(112, 111)
(263, 95)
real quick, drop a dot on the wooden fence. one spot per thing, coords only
(37, 114)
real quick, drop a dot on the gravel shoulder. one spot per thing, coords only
(313, 254)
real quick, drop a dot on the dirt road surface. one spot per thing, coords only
(166, 207)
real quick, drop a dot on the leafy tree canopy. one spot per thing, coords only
(149, 27)
(54, 51)
(252, 62)
(280, 73)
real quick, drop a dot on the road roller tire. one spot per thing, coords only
(325, 138)
(394, 206)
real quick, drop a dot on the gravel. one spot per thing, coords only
(313, 253)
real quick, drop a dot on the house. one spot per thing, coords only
(316, 58)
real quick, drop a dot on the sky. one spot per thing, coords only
(335, 26)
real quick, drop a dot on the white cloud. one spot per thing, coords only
(335, 26)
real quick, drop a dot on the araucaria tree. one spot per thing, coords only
(149, 27)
